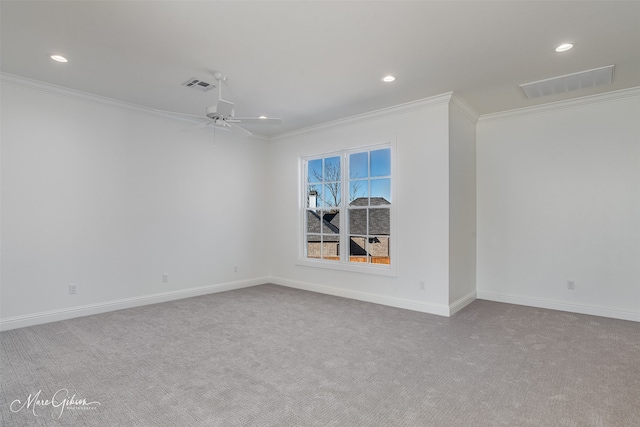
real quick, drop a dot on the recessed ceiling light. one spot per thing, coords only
(59, 58)
(564, 47)
(388, 79)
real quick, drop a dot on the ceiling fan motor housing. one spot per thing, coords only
(212, 113)
(223, 110)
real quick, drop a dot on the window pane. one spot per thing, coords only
(313, 196)
(381, 162)
(314, 168)
(357, 221)
(332, 194)
(357, 249)
(331, 223)
(313, 246)
(358, 193)
(380, 191)
(332, 169)
(379, 250)
(331, 248)
(359, 165)
(379, 221)
(313, 222)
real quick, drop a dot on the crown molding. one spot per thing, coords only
(563, 105)
(464, 108)
(420, 104)
(51, 89)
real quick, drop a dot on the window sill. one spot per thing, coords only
(379, 270)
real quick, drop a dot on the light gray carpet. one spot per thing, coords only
(274, 356)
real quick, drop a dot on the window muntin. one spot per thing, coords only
(348, 205)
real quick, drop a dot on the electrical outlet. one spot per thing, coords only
(73, 289)
(235, 269)
(165, 278)
(571, 285)
(422, 286)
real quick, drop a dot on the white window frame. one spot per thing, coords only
(344, 264)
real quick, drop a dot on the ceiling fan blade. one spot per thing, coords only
(177, 114)
(258, 120)
(224, 108)
(203, 125)
(200, 126)
(236, 128)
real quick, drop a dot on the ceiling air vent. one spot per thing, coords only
(198, 84)
(583, 79)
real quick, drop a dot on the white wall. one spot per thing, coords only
(558, 201)
(110, 197)
(462, 203)
(421, 134)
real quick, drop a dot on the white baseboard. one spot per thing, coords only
(441, 310)
(103, 307)
(562, 306)
(461, 303)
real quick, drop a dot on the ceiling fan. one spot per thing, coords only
(222, 114)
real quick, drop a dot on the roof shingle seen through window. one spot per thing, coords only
(328, 221)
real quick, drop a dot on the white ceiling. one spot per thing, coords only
(309, 62)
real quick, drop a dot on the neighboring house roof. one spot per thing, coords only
(379, 219)
(330, 222)
(369, 201)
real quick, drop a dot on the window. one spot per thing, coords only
(348, 209)
(324, 183)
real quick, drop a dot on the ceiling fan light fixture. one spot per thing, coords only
(59, 58)
(564, 47)
(388, 79)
